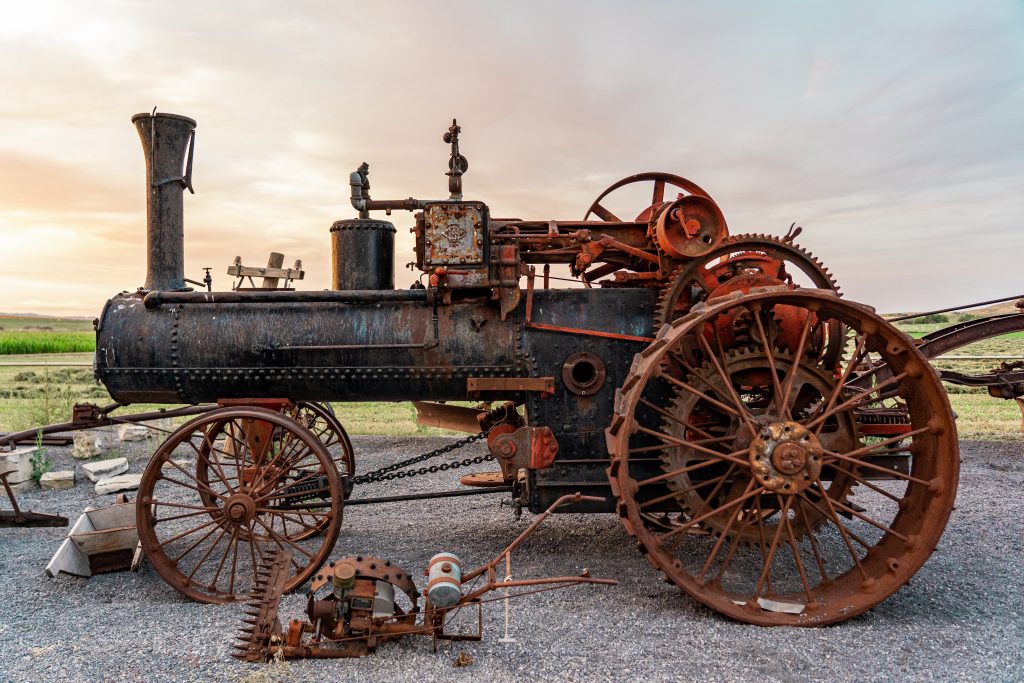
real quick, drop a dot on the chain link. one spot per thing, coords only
(389, 472)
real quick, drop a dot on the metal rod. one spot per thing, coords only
(977, 358)
(355, 296)
(955, 308)
(13, 437)
(422, 496)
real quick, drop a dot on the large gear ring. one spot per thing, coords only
(695, 281)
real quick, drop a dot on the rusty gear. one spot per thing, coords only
(676, 297)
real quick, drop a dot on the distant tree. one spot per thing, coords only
(930, 318)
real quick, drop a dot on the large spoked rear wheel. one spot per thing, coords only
(786, 513)
(260, 481)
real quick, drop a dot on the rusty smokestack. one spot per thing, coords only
(167, 141)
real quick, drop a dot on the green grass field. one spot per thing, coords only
(31, 396)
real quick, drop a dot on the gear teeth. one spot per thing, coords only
(260, 613)
(669, 295)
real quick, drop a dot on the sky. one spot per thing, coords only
(892, 132)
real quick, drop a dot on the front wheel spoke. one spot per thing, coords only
(770, 357)
(718, 545)
(192, 547)
(858, 356)
(234, 568)
(874, 447)
(206, 555)
(275, 492)
(204, 489)
(183, 534)
(205, 456)
(157, 520)
(232, 542)
(278, 537)
(294, 520)
(860, 480)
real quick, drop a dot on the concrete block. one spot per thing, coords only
(88, 444)
(102, 469)
(19, 463)
(62, 479)
(122, 482)
(163, 426)
(132, 432)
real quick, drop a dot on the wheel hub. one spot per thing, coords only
(240, 508)
(785, 457)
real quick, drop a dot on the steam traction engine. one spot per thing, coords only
(781, 454)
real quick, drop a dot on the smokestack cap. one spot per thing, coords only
(161, 115)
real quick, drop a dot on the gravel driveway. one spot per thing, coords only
(959, 619)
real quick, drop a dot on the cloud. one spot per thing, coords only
(890, 130)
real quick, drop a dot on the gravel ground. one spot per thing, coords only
(959, 619)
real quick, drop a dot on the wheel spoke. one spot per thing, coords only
(707, 515)
(814, 542)
(701, 395)
(658, 195)
(858, 355)
(845, 533)
(865, 482)
(684, 423)
(728, 457)
(766, 571)
(796, 552)
(676, 473)
(604, 214)
(186, 533)
(278, 537)
(676, 494)
(787, 386)
(770, 357)
(856, 401)
(741, 409)
(206, 555)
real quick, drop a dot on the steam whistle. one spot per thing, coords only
(457, 164)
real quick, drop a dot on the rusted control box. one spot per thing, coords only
(453, 235)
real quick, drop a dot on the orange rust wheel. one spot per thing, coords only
(261, 482)
(792, 515)
(660, 182)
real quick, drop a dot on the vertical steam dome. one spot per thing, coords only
(363, 254)
(167, 141)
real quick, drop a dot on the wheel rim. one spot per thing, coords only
(261, 481)
(805, 571)
(659, 182)
(319, 419)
